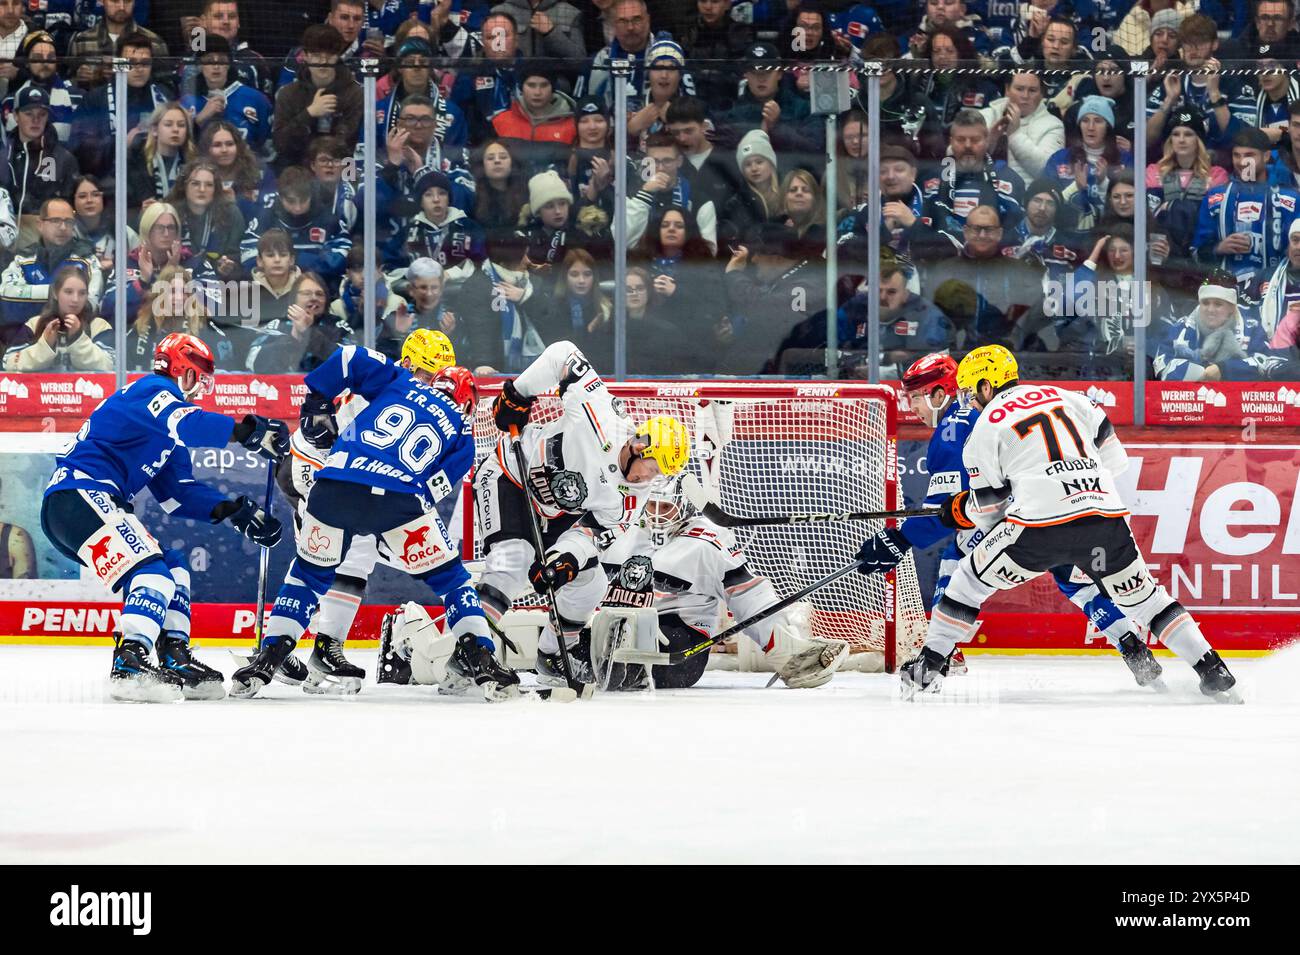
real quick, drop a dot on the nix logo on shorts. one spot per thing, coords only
(102, 560)
(317, 542)
(77, 908)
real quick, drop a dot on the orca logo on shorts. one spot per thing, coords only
(569, 489)
(636, 572)
(418, 551)
(104, 562)
(317, 542)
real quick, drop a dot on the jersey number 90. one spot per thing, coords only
(420, 445)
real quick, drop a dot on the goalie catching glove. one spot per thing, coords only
(249, 519)
(266, 436)
(558, 570)
(882, 553)
(952, 512)
(510, 409)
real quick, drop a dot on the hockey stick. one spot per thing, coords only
(264, 562)
(699, 499)
(584, 690)
(649, 658)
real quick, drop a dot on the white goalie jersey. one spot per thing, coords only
(573, 462)
(1040, 455)
(699, 571)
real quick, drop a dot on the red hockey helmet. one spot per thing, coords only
(930, 372)
(178, 353)
(459, 385)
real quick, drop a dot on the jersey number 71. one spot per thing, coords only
(1042, 423)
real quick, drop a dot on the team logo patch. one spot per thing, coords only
(569, 489)
(316, 234)
(636, 572)
(1286, 202)
(1249, 211)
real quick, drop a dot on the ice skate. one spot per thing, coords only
(199, 681)
(550, 668)
(134, 678)
(1216, 681)
(331, 673)
(923, 674)
(248, 681)
(1146, 668)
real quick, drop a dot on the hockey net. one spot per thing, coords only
(770, 448)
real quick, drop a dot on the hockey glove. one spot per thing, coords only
(249, 519)
(952, 512)
(558, 570)
(266, 436)
(316, 421)
(881, 554)
(511, 409)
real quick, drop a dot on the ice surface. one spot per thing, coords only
(1052, 759)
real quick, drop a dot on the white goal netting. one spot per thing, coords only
(770, 449)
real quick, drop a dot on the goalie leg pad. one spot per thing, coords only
(418, 638)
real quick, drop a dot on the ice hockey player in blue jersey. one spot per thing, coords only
(410, 447)
(930, 385)
(139, 438)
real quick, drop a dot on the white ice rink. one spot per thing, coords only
(1051, 759)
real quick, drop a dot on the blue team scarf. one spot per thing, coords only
(512, 329)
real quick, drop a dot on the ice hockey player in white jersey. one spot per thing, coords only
(1041, 462)
(697, 570)
(589, 472)
(930, 386)
(328, 670)
(409, 448)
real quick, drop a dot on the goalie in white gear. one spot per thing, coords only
(697, 571)
(588, 474)
(694, 569)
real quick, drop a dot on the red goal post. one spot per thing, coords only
(766, 447)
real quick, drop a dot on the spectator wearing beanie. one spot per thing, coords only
(437, 231)
(1136, 34)
(1091, 157)
(590, 166)
(1021, 118)
(664, 82)
(1109, 79)
(540, 123)
(758, 196)
(39, 67)
(1038, 238)
(319, 236)
(1178, 182)
(1215, 96)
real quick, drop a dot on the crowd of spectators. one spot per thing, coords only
(1007, 182)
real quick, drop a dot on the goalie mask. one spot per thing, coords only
(666, 509)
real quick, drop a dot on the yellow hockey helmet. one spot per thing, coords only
(669, 442)
(428, 351)
(991, 363)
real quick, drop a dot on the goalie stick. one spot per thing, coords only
(584, 690)
(649, 658)
(699, 499)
